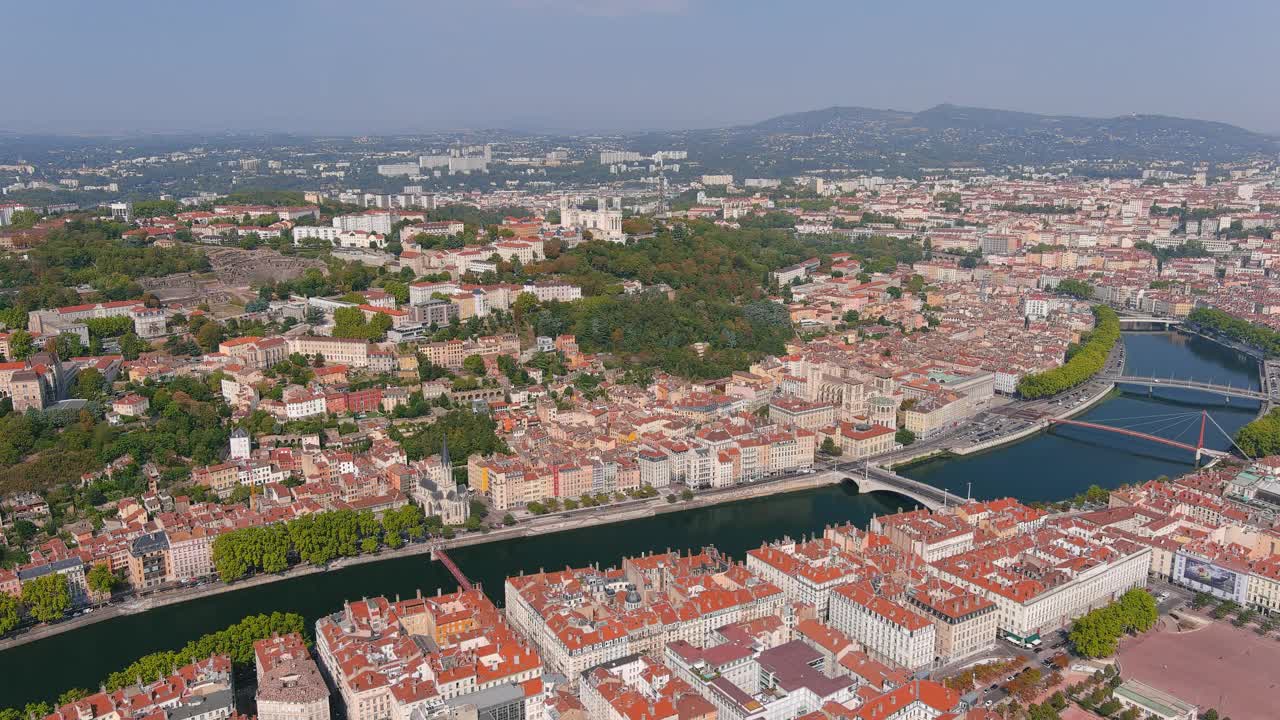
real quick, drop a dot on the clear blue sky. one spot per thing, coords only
(382, 65)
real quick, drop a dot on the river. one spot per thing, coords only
(1067, 460)
(1045, 467)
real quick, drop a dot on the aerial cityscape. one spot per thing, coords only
(604, 387)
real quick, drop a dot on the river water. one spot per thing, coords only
(1049, 466)
(1060, 463)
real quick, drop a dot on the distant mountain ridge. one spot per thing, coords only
(957, 116)
(946, 135)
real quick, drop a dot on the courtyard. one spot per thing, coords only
(1214, 666)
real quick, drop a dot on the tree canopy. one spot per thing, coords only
(235, 641)
(1075, 288)
(1230, 326)
(651, 330)
(1261, 437)
(47, 598)
(1097, 634)
(316, 539)
(1088, 360)
(468, 433)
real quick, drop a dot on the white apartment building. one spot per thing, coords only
(888, 631)
(610, 157)
(191, 553)
(315, 232)
(655, 469)
(370, 221)
(398, 169)
(336, 351)
(1035, 592)
(553, 291)
(339, 237)
(257, 474)
(304, 405)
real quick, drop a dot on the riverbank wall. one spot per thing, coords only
(574, 520)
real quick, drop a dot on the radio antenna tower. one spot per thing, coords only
(662, 190)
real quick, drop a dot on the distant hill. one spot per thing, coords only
(898, 142)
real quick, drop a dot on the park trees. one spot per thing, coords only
(524, 305)
(1097, 634)
(100, 579)
(350, 322)
(68, 345)
(467, 432)
(474, 364)
(90, 384)
(1238, 329)
(1088, 360)
(1261, 437)
(235, 641)
(20, 345)
(9, 616)
(131, 346)
(24, 219)
(47, 598)
(315, 539)
(1075, 288)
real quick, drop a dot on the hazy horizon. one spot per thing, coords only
(383, 67)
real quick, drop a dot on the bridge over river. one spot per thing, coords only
(1153, 383)
(869, 477)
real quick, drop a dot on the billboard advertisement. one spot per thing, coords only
(1210, 576)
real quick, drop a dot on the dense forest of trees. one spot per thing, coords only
(39, 450)
(705, 259)
(468, 433)
(652, 331)
(1084, 364)
(86, 252)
